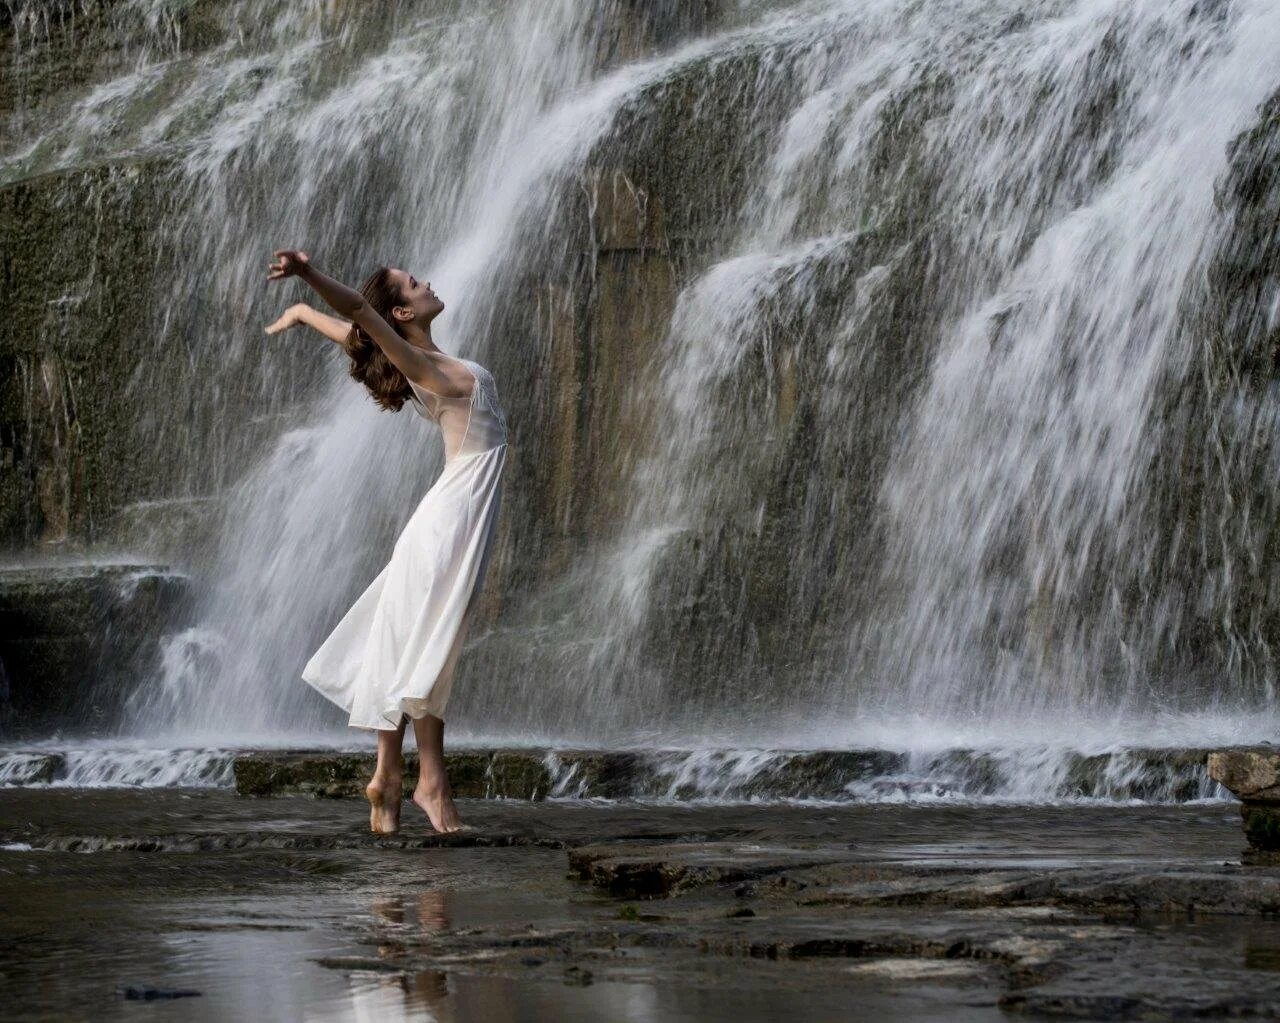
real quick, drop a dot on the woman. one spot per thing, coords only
(392, 656)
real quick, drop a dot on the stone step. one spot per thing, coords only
(76, 636)
(744, 775)
(1154, 775)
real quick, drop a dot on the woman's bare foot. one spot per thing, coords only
(384, 795)
(437, 802)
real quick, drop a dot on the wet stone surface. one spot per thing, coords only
(288, 908)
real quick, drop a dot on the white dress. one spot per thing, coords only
(395, 650)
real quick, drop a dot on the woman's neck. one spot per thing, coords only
(420, 337)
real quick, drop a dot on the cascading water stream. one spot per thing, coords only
(897, 466)
(1051, 212)
(1020, 501)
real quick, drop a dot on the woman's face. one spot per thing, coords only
(418, 296)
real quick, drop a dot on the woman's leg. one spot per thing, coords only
(385, 790)
(432, 793)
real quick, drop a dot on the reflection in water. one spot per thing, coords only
(401, 923)
(390, 999)
(1259, 945)
(417, 917)
(433, 911)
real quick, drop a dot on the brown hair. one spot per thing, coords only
(369, 364)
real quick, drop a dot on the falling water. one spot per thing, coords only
(916, 429)
(1020, 505)
(929, 407)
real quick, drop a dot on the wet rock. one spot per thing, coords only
(825, 774)
(1262, 826)
(168, 527)
(918, 969)
(1149, 1004)
(93, 455)
(1111, 893)
(651, 871)
(508, 774)
(318, 774)
(262, 841)
(578, 976)
(595, 773)
(515, 774)
(629, 296)
(624, 215)
(1158, 775)
(76, 638)
(147, 993)
(1165, 775)
(70, 445)
(851, 899)
(1252, 774)
(636, 28)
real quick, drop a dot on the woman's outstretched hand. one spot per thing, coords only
(288, 263)
(290, 318)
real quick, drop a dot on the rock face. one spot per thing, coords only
(72, 643)
(63, 367)
(96, 337)
(1253, 776)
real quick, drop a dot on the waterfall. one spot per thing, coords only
(1021, 503)
(925, 402)
(878, 372)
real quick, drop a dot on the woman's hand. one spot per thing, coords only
(290, 318)
(334, 329)
(288, 263)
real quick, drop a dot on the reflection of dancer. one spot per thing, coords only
(394, 652)
(423, 989)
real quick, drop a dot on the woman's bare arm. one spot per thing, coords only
(409, 360)
(334, 329)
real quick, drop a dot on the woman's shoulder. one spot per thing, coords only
(442, 360)
(481, 371)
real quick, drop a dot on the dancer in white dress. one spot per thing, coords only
(392, 656)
